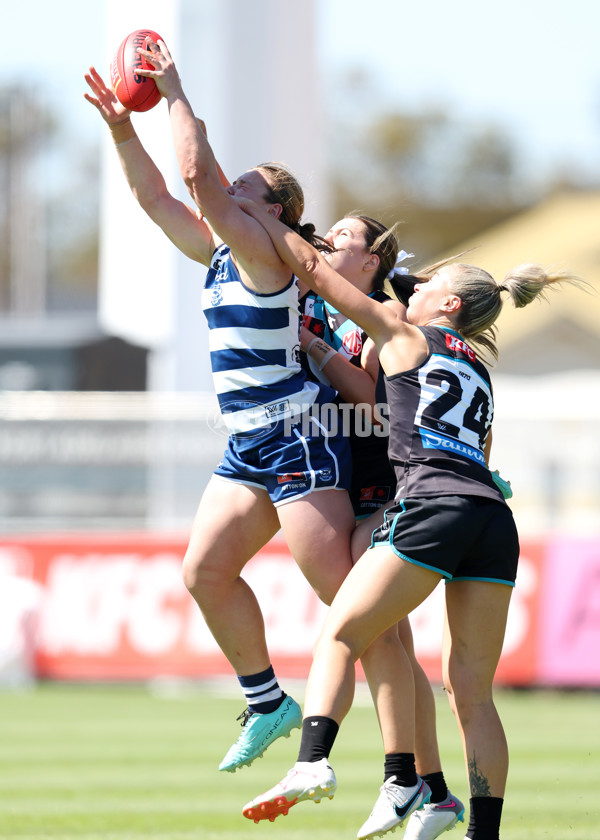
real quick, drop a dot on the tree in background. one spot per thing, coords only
(446, 180)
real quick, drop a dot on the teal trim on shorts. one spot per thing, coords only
(422, 565)
(400, 502)
(405, 556)
(485, 580)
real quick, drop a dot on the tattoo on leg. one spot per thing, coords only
(478, 783)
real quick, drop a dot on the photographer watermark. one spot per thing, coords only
(330, 419)
(255, 420)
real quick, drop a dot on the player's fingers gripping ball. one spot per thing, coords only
(134, 92)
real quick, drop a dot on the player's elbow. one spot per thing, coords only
(195, 176)
(153, 202)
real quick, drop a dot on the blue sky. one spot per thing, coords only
(530, 65)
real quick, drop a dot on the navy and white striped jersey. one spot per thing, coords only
(254, 349)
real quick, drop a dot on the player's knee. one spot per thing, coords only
(450, 695)
(339, 638)
(189, 573)
(195, 578)
(325, 582)
(467, 693)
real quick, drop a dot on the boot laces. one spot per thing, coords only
(244, 717)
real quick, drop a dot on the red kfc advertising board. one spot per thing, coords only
(113, 607)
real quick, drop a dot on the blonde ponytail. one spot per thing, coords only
(530, 280)
(482, 302)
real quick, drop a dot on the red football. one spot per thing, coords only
(135, 92)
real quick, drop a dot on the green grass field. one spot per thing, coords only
(125, 763)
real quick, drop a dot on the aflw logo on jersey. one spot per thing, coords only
(455, 343)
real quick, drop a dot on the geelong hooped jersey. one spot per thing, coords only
(254, 349)
(440, 416)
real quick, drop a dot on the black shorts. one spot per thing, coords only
(460, 537)
(373, 483)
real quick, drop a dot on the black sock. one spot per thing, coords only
(318, 735)
(484, 822)
(437, 783)
(402, 766)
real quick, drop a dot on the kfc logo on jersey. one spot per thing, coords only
(217, 295)
(457, 344)
(352, 342)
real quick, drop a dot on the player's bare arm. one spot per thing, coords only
(250, 244)
(380, 322)
(178, 221)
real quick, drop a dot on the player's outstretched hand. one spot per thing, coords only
(164, 73)
(104, 99)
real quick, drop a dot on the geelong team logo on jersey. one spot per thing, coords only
(217, 295)
(352, 342)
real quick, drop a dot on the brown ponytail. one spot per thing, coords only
(285, 189)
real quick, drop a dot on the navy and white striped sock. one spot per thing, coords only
(262, 691)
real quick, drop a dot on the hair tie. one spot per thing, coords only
(399, 269)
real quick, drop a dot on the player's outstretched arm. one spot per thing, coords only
(377, 320)
(178, 221)
(222, 176)
(202, 175)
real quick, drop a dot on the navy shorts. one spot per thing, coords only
(289, 466)
(460, 537)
